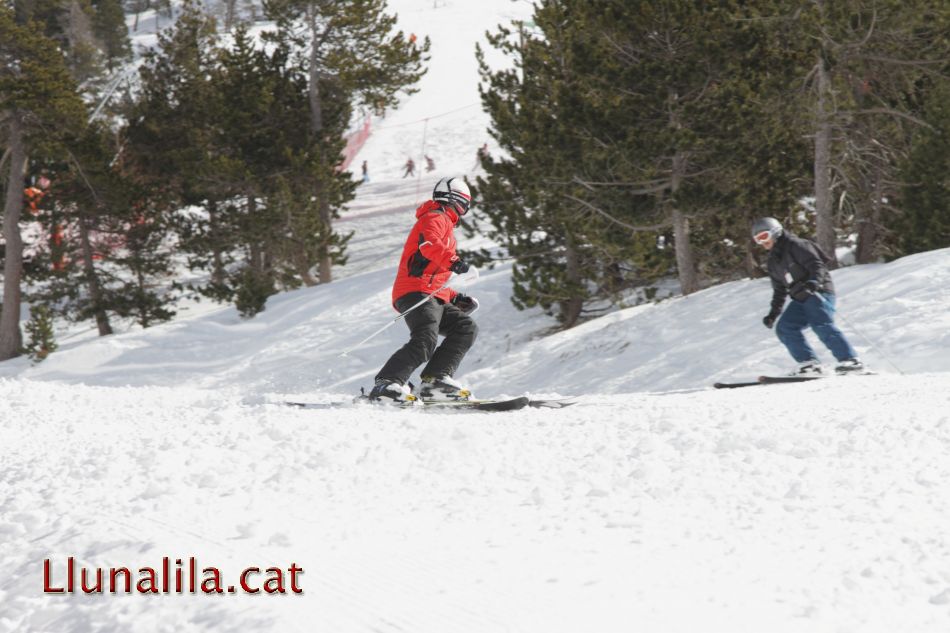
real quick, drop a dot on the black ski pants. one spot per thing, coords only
(426, 323)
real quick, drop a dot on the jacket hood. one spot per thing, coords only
(436, 207)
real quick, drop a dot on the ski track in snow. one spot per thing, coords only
(660, 505)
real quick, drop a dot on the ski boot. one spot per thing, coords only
(808, 368)
(444, 388)
(392, 390)
(850, 366)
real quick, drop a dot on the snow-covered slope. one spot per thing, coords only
(817, 507)
(897, 316)
(654, 504)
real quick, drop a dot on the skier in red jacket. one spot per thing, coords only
(428, 260)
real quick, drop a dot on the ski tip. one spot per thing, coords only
(502, 405)
(735, 385)
(551, 404)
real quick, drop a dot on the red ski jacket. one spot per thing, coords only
(428, 253)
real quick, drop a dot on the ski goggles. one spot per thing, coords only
(763, 237)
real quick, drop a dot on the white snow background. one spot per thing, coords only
(654, 504)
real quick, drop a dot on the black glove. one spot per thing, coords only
(769, 320)
(459, 267)
(465, 303)
(801, 290)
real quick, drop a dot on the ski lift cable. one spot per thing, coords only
(114, 86)
(434, 116)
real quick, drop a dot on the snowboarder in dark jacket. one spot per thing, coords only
(799, 269)
(428, 260)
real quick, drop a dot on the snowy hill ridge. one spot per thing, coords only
(897, 315)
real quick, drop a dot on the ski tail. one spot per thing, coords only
(776, 380)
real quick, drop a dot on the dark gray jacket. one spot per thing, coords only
(792, 262)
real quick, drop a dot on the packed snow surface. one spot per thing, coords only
(653, 504)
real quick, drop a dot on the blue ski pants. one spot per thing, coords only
(816, 312)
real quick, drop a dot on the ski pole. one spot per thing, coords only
(858, 332)
(399, 316)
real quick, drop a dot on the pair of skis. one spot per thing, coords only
(512, 404)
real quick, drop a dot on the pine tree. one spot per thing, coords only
(259, 179)
(566, 254)
(38, 102)
(111, 31)
(269, 160)
(683, 91)
(41, 340)
(116, 260)
(924, 221)
(865, 54)
(352, 57)
(628, 126)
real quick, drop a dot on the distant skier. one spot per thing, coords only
(365, 169)
(410, 167)
(428, 260)
(430, 164)
(798, 268)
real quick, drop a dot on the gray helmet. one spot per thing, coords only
(766, 225)
(453, 191)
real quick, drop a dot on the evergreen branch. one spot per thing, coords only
(870, 29)
(92, 189)
(650, 186)
(635, 229)
(896, 113)
(808, 77)
(917, 63)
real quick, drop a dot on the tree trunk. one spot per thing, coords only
(752, 268)
(302, 265)
(229, 14)
(572, 306)
(144, 319)
(217, 266)
(313, 90)
(256, 251)
(868, 222)
(823, 202)
(685, 265)
(92, 278)
(325, 265)
(866, 252)
(11, 338)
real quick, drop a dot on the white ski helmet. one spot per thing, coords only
(766, 229)
(453, 191)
